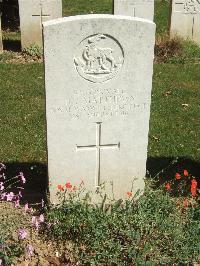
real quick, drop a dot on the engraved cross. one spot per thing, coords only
(98, 147)
(41, 15)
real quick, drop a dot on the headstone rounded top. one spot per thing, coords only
(94, 16)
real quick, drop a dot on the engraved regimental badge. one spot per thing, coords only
(99, 58)
(191, 6)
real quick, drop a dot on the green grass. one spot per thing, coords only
(176, 126)
(80, 7)
(23, 112)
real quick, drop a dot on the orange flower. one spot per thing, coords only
(168, 186)
(60, 187)
(68, 185)
(185, 172)
(193, 188)
(185, 203)
(177, 176)
(129, 194)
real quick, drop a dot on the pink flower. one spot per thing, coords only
(26, 208)
(10, 196)
(1, 186)
(1, 262)
(35, 222)
(16, 203)
(22, 233)
(3, 196)
(29, 250)
(2, 166)
(20, 194)
(33, 219)
(41, 218)
(23, 179)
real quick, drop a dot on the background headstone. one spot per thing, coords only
(185, 19)
(1, 41)
(98, 75)
(32, 14)
(135, 8)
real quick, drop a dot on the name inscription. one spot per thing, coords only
(98, 103)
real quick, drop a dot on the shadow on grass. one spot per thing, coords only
(37, 179)
(164, 169)
(12, 45)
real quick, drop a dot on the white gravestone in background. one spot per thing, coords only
(135, 8)
(32, 14)
(185, 19)
(1, 42)
(98, 75)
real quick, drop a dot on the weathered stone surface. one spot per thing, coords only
(135, 8)
(98, 75)
(185, 19)
(32, 14)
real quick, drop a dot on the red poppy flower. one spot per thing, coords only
(177, 176)
(193, 188)
(185, 172)
(129, 194)
(168, 186)
(68, 185)
(60, 187)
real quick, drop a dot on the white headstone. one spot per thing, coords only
(1, 41)
(98, 75)
(185, 19)
(135, 8)
(32, 14)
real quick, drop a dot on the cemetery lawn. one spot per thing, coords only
(162, 227)
(174, 124)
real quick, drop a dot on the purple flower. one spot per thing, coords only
(22, 233)
(23, 179)
(1, 262)
(29, 250)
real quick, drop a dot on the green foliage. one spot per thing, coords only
(161, 16)
(8, 251)
(33, 50)
(150, 231)
(5, 56)
(11, 219)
